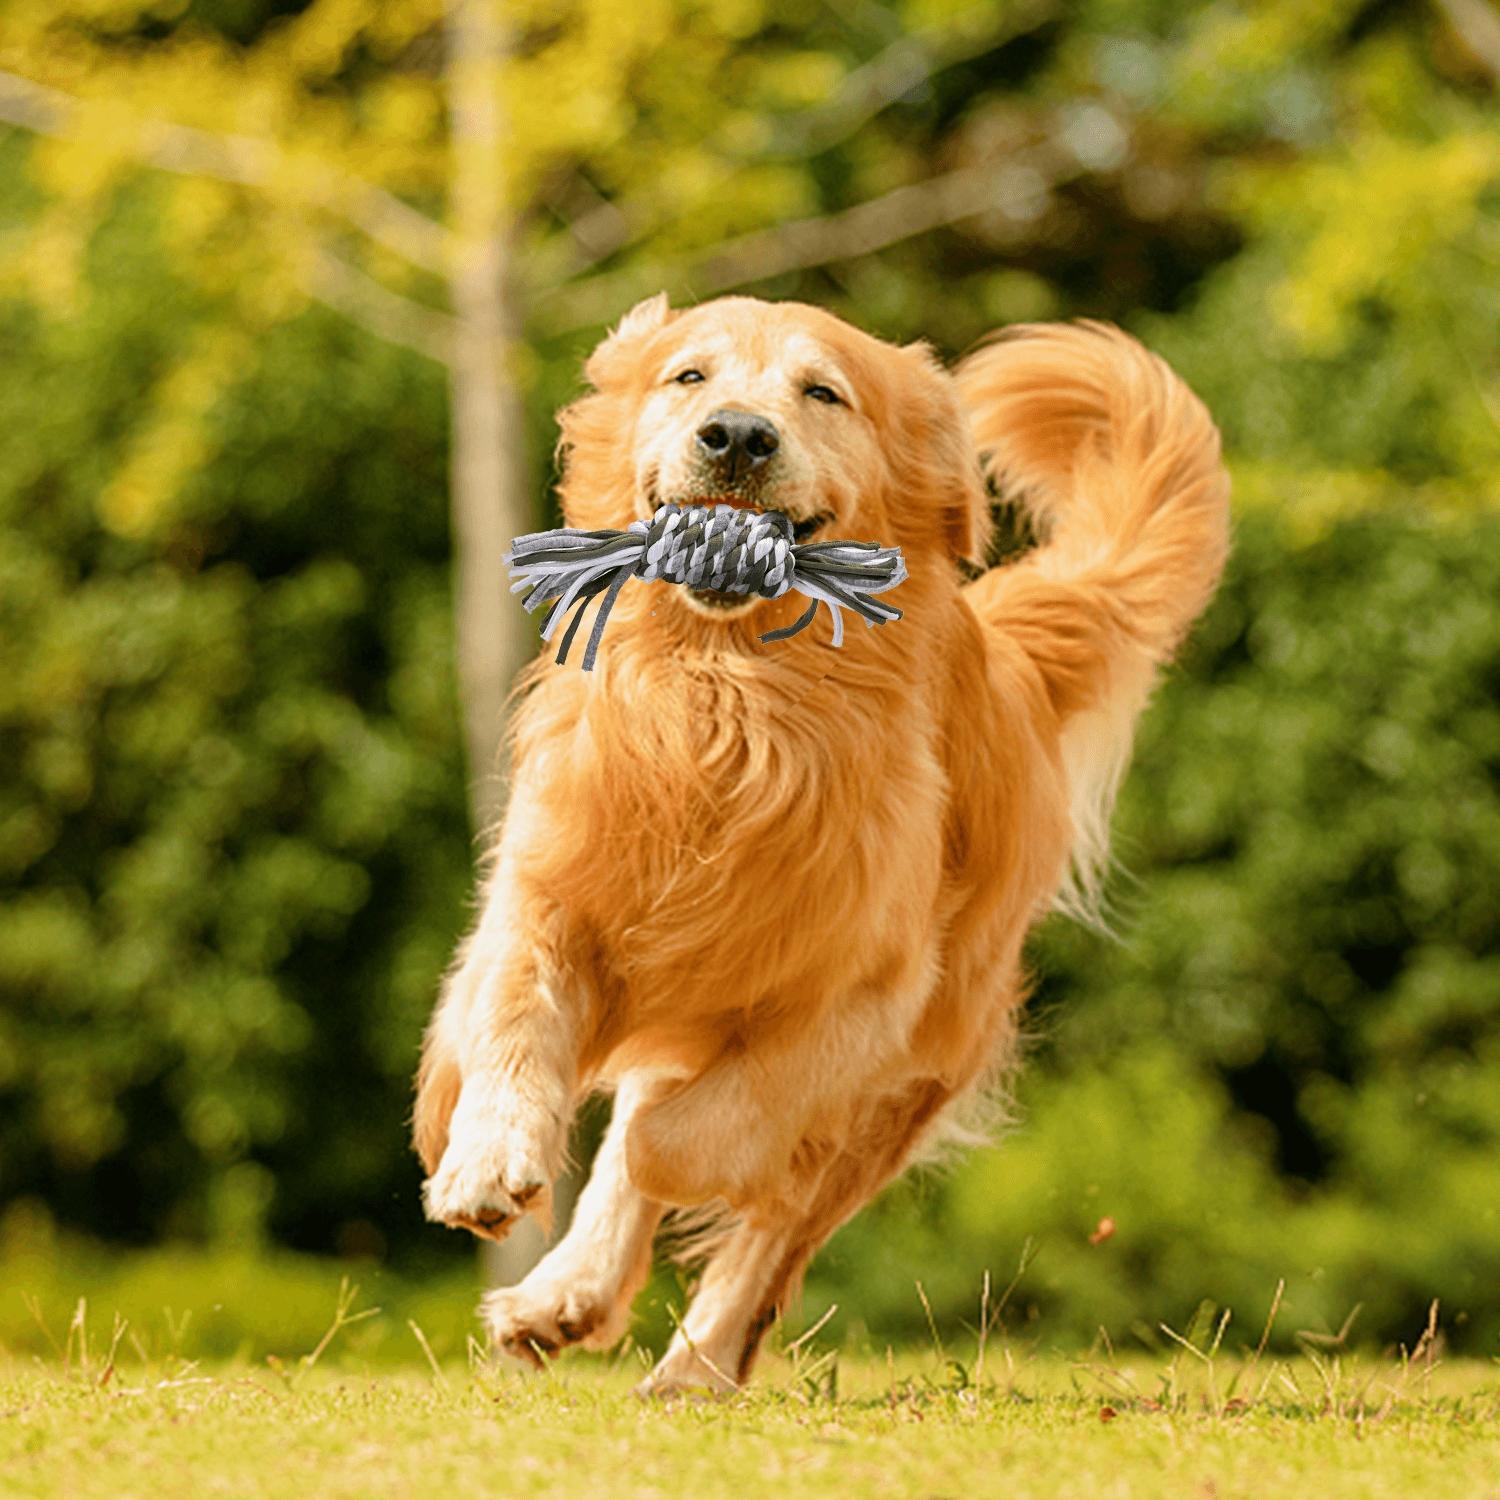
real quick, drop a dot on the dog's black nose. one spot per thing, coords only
(737, 441)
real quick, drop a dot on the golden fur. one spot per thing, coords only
(775, 896)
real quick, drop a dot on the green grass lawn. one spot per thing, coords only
(103, 1415)
(188, 1373)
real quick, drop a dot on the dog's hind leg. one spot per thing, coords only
(757, 1267)
(580, 1293)
(786, 1086)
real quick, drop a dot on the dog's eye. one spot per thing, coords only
(689, 377)
(823, 393)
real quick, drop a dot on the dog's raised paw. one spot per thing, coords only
(488, 1185)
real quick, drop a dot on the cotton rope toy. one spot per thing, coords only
(719, 547)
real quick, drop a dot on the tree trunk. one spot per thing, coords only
(490, 478)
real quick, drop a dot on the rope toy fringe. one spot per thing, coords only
(713, 547)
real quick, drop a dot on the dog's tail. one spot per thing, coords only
(1118, 463)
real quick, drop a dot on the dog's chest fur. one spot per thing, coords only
(754, 840)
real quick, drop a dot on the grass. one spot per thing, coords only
(111, 1411)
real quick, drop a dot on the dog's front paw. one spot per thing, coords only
(501, 1159)
(548, 1311)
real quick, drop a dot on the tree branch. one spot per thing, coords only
(902, 214)
(904, 65)
(1478, 28)
(245, 161)
(387, 314)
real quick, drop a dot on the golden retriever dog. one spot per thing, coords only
(773, 897)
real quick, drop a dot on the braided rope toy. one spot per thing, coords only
(702, 546)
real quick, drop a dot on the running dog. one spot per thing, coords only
(773, 897)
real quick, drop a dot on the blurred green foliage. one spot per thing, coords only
(186, 1301)
(232, 830)
(233, 852)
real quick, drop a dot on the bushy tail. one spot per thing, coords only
(1118, 462)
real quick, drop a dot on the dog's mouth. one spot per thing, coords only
(717, 599)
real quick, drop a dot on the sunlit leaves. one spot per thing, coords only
(172, 442)
(1377, 217)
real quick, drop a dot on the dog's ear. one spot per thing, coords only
(951, 481)
(612, 357)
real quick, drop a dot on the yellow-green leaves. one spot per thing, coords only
(1376, 220)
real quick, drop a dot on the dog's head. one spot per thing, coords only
(774, 406)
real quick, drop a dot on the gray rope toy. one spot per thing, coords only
(703, 546)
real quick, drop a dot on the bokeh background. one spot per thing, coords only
(288, 295)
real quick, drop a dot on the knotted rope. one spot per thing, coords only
(705, 547)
